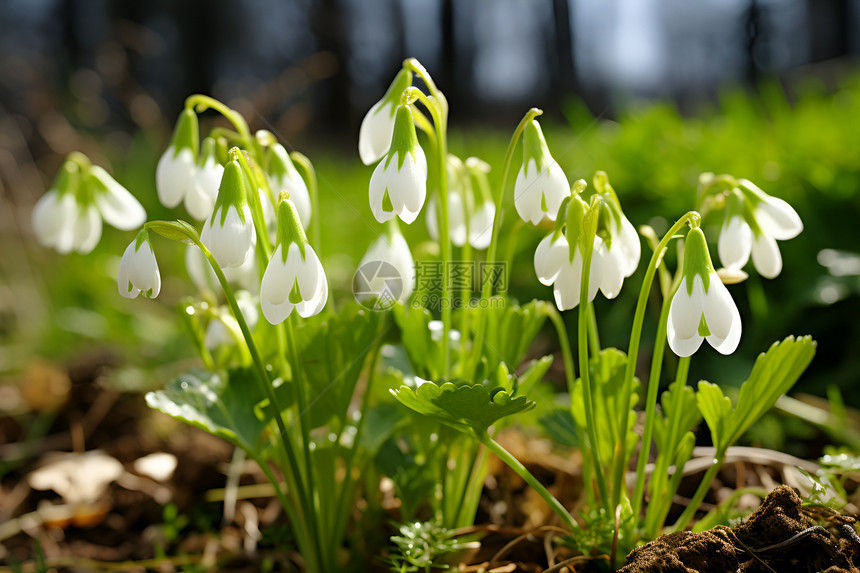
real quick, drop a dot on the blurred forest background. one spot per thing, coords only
(652, 91)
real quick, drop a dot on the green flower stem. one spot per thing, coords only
(201, 103)
(587, 247)
(438, 108)
(521, 471)
(486, 287)
(660, 505)
(309, 174)
(472, 493)
(265, 385)
(255, 204)
(633, 349)
(510, 249)
(189, 316)
(593, 333)
(561, 331)
(651, 406)
(303, 415)
(465, 303)
(701, 491)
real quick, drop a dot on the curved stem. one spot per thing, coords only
(633, 349)
(498, 199)
(587, 247)
(561, 331)
(521, 471)
(201, 103)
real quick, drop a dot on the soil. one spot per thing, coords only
(781, 535)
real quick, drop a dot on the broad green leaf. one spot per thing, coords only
(511, 328)
(332, 351)
(221, 403)
(717, 411)
(687, 412)
(470, 408)
(773, 375)
(607, 379)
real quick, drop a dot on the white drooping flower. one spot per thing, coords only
(619, 249)
(558, 259)
(229, 233)
(295, 277)
(224, 329)
(283, 176)
(176, 169)
(69, 216)
(138, 269)
(200, 197)
(374, 135)
(389, 248)
(483, 215)
(753, 222)
(702, 308)
(541, 185)
(398, 185)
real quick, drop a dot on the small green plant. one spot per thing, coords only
(421, 546)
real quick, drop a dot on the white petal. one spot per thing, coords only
(313, 285)
(682, 346)
(125, 285)
(735, 243)
(275, 289)
(549, 257)
(118, 207)
(685, 311)
(568, 282)
(233, 242)
(630, 246)
(722, 318)
(374, 135)
(612, 263)
(88, 230)
(174, 176)
(378, 189)
(766, 256)
(456, 219)
(292, 183)
(54, 219)
(407, 186)
(481, 226)
(200, 197)
(556, 189)
(198, 204)
(778, 219)
(527, 195)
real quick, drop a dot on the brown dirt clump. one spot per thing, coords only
(778, 536)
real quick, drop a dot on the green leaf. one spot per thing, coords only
(469, 408)
(332, 351)
(174, 230)
(221, 403)
(424, 352)
(717, 411)
(532, 375)
(687, 412)
(773, 375)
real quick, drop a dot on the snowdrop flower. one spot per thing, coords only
(754, 221)
(541, 184)
(702, 307)
(619, 249)
(200, 197)
(294, 278)
(138, 269)
(222, 331)
(69, 216)
(391, 248)
(283, 176)
(558, 259)
(374, 135)
(398, 185)
(229, 232)
(175, 172)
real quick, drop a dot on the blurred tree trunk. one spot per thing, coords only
(331, 106)
(563, 71)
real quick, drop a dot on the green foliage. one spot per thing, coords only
(221, 403)
(421, 545)
(469, 408)
(774, 373)
(607, 380)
